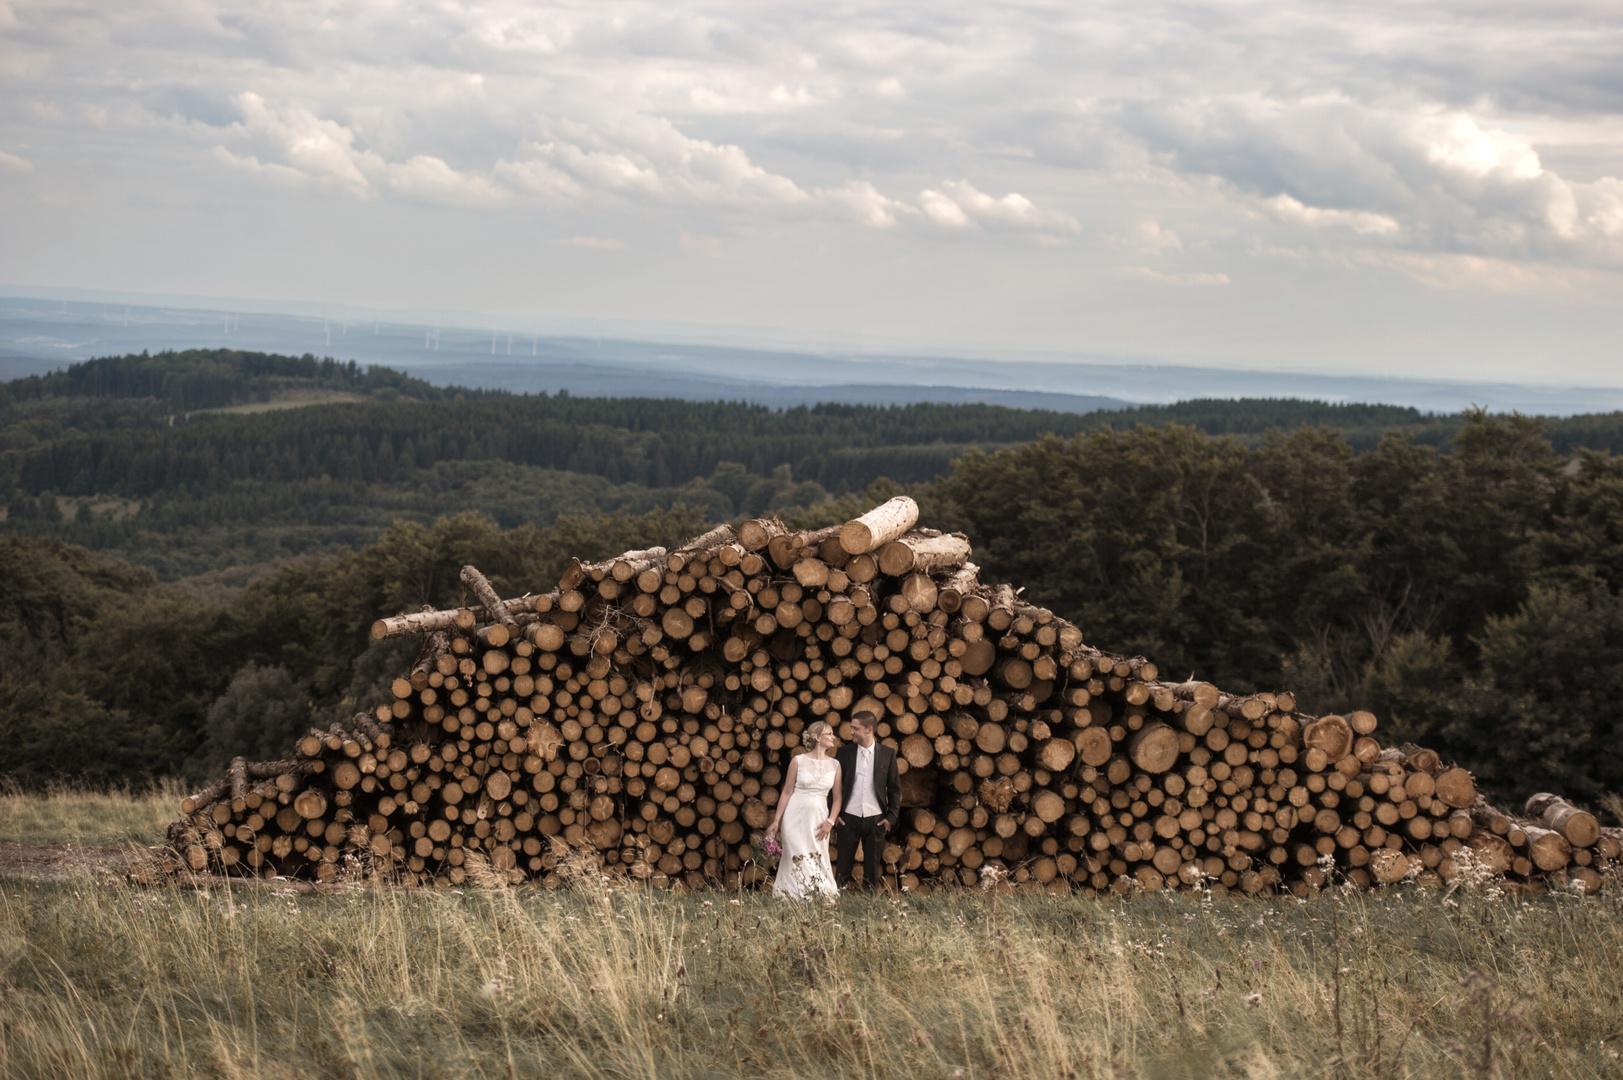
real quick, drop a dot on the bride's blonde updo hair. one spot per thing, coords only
(814, 732)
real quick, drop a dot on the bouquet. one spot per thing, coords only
(767, 849)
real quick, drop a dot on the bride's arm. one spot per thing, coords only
(783, 800)
(834, 815)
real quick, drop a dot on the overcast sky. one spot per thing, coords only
(1428, 189)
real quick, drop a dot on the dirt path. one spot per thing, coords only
(63, 862)
(125, 865)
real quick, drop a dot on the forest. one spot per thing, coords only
(194, 591)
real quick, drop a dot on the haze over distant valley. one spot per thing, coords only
(627, 359)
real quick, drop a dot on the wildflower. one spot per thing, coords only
(1254, 999)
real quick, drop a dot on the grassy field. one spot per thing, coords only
(99, 981)
(68, 815)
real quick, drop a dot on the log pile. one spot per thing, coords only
(641, 716)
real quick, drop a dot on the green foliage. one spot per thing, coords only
(261, 713)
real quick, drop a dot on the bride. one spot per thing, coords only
(804, 815)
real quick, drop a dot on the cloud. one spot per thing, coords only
(959, 205)
(943, 210)
(294, 138)
(648, 158)
(1292, 212)
(1154, 237)
(292, 144)
(13, 163)
(1431, 178)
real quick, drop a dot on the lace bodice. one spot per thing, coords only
(814, 777)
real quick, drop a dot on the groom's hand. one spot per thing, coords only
(884, 823)
(841, 820)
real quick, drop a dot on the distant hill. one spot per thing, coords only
(214, 378)
(597, 358)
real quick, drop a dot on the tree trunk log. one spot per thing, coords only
(918, 553)
(879, 526)
(1553, 812)
(494, 607)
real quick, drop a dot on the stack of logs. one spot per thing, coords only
(642, 714)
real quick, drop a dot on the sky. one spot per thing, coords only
(1381, 188)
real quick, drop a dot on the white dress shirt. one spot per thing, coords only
(863, 801)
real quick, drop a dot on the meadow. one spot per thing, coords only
(100, 980)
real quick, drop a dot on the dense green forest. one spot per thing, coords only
(1462, 576)
(161, 460)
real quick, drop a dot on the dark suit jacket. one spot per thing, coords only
(887, 781)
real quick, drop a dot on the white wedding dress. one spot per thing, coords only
(804, 869)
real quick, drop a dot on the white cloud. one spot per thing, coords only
(1154, 237)
(863, 203)
(13, 163)
(296, 138)
(1291, 211)
(293, 144)
(426, 178)
(959, 205)
(1426, 177)
(943, 210)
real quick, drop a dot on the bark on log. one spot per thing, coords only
(427, 622)
(879, 526)
(494, 607)
(1553, 812)
(917, 553)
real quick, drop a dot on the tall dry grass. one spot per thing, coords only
(67, 814)
(118, 982)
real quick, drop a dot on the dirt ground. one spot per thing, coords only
(132, 866)
(63, 862)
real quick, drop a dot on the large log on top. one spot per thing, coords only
(880, 525)
(923, 554)
(1553, 812)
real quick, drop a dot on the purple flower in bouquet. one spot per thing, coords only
(767, 849)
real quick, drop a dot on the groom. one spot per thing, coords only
(870, 802)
